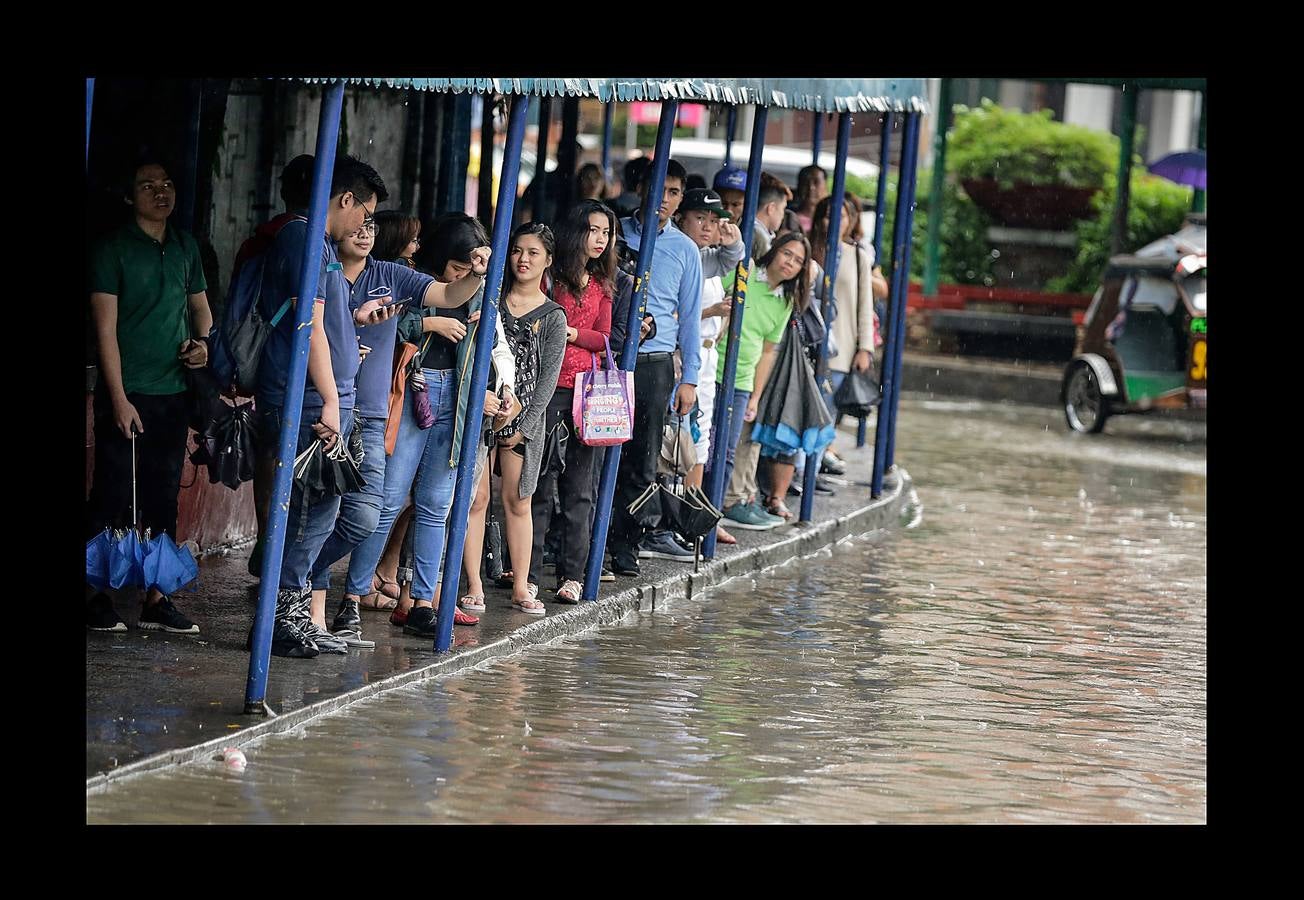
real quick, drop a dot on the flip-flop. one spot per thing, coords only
(723, 536)
(472, 603)
(537, 610)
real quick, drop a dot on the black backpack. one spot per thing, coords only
(235, 344)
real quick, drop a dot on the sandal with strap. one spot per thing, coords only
(472, 603)
(381, 597)
(570, 591)
(777, 507)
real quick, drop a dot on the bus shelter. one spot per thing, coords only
(842, 97)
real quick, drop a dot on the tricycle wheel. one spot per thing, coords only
(1085, 408)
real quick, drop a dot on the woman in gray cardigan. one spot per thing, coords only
(536, 333)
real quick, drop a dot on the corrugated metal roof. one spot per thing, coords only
(815, 94)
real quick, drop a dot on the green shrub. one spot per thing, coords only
(1156, 207)
(1012, 147)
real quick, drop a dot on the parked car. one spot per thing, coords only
(1143, 345)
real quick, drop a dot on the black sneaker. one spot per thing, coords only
(607, 574)
(421, 621)
(625, 564)
(163, 616)
(101, 616)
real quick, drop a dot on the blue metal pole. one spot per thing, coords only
(724, 406)
(908, 178)
(629, 353)
(485, 330)
(880, 202)
(731, 127)
(833, 250)
(897, 298)
(90, 102)
(189, 176)
(328, 129)
(880, 218)
(608, 111)
(817, 138)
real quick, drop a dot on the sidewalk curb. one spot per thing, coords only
(658, 596)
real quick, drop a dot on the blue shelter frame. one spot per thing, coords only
(843, 97)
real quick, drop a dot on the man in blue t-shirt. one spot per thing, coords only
(329, 394)
(674, 302)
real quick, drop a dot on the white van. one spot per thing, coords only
(706, 157)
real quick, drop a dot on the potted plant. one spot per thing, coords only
(1026, 170)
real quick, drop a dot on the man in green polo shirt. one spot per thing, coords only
(150, 308)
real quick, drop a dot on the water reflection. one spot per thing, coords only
(1033, 652)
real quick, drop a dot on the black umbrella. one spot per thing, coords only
(321, 473)
(686, 511)
(227, 445)
(791, 415)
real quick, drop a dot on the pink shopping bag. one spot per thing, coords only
(603, 406)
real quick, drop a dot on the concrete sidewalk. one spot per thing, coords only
(154, 699)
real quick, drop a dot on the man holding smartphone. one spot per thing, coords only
(149, 303)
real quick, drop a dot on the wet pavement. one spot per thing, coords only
(1033, 650)
(150, 693)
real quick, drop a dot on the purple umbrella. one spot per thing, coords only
(1186, 167)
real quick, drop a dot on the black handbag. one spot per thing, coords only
(858, 393)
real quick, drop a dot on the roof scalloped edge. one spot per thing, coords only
(625, 91)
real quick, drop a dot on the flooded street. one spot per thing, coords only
(1032, 651)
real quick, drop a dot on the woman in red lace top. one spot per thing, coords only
(584, 273)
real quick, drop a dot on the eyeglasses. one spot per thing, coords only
(370, 213)
(416, 240)
(368, 228)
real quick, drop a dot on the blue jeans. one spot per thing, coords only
(359, 513)
(734, 428)
(307, 527)
(419, 465)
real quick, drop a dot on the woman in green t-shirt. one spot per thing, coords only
(781, 282)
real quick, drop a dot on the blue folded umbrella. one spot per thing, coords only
(127, 560)
(98, 550)
(167, 566)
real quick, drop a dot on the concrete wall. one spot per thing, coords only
(374, 129)
(1089, 105)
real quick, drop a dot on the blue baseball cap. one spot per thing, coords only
(730, 178)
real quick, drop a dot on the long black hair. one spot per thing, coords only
(796, 289)
(544, 234)
(572, 257)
